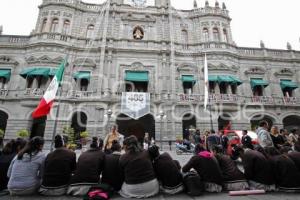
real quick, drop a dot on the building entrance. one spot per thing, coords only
(128, 126)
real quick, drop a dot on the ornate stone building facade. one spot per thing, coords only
(119, 46)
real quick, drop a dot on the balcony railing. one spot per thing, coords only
(190, 97)
(34, 92)
(291, 100)
(263, 100)
(223, 98)
(3, 92)
(79, 94)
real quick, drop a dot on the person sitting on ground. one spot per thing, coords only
(207, 167)
(113, 135)
(246, 140)
(277, 139)
(286, 173)
(111, 174)
(233, 178)
(257, 169)
(167, 171)
(26, 168)
(136, 165)
(6, 156)
(263, 135)
(89, 167)
(59, 166)
(294, 155)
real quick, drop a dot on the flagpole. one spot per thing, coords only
(56, 119)
(210, 116)
(58, 108)
(207, 100)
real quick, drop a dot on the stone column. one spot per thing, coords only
(217, 88)
(229, 89)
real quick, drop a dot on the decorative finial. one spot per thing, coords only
(224, 6)
(195, 4)
(1, 29)
(288, 46)
(217, 5)
(206, 4)
(262, 44)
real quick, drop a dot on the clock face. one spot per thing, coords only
(139, 3)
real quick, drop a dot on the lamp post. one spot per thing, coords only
(161, 115)
(108, 113)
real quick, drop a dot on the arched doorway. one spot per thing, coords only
(128, 126)
(224, 122)
(256, 119)
(79, 122)
(38, 127)
(3, 120)
(188, 123)
(291, 122)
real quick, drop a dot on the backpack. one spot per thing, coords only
(193, 184)
(99, 192)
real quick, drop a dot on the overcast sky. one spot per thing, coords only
(274, 21)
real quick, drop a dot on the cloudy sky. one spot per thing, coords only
(274, 21)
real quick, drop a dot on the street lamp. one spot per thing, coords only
(161, 115)
(109, 114)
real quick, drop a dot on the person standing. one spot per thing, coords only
(263, 135)
(113, 135)
(246, 140)
(277, 139)
(25, 171)
(293, 138)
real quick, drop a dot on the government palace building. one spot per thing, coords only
(141, 67)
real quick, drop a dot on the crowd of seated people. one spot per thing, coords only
(137, 173)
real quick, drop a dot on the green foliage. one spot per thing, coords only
(23, 133)
(1, 133)
(84, 134)
(67, 130)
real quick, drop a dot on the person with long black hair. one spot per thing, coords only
(25, 171)
(136, 165)
(59, 166)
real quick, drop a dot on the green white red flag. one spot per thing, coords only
(47, 101)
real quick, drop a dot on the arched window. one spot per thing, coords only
(205, 35)
(225, 35)
(184, 37)
(66, 27)
(43, 27)
(90, 31)
(54, 26)
(216, 34)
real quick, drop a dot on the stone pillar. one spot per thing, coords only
(217, 88)
(229, 89)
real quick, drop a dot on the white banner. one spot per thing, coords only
(135, 104)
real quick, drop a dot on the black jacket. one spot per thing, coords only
(59, 166)
(5, 160)
(111, 174)
(89, 167)
(257, 167)
(295, 156)
(167, 171)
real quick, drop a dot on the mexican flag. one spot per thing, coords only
(47, 101)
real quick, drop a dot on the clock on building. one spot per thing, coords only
(139, 3)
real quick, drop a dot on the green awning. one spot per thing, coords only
(139, 76)
(188, 79)
(5, 73)
(288, 84)
(25, 72)
(52, 71)
(236, 80)
(212, 78)
(82, 75)
(225, 79)
(40, 72)
(258, 82)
